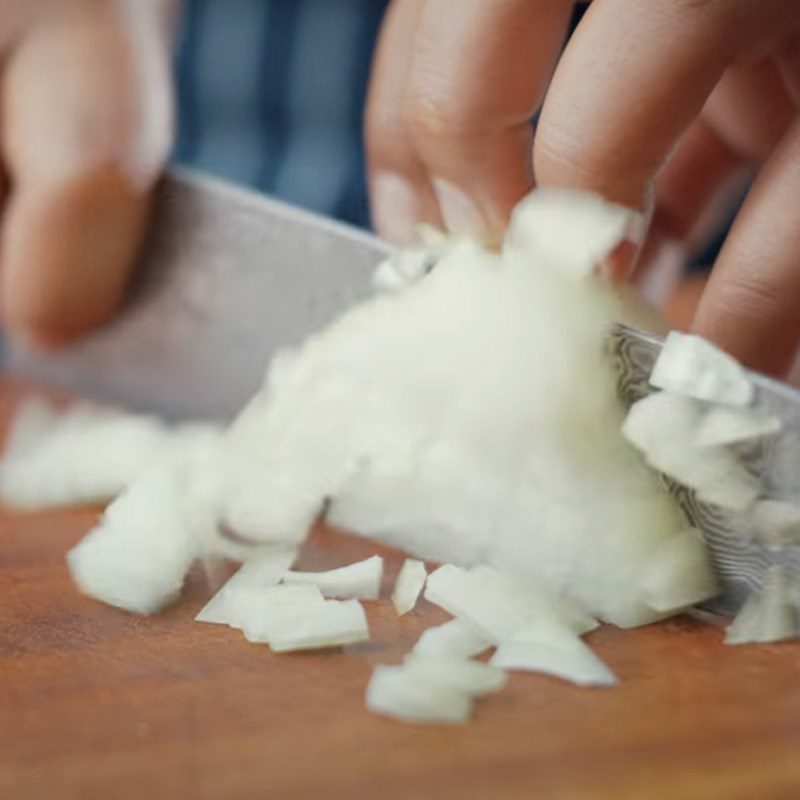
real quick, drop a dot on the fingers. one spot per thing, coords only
(401, 193)
(472, 79)
(751, 306)
(79, 200)
(745, 117)
(632, 79)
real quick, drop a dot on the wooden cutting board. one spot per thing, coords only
(97, 703)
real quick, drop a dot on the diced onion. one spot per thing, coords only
(85, 454)
(722, 425)
(397, 692)
(663, 426)
(410, 581)
(361, 580)
(680, 574)
(496, 608)
(692, 366)
(252, 578)
(473, 677)
(455, 639)
(333, 624)
(576, 663)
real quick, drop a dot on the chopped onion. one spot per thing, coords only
(664, 426)
(333, 624)
(576, 663)
(692, 366)
(766, 616)
(410, 581)
(722, 425)
(138, 555)
(362, 579)
(252, 578)
(454, 639)
(561, 608)
(570, 229)
(397, 692)
(680, 574)
(258, 613)
(85, 454)
(472, 677)
(497, 608)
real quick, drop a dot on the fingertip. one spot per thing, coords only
(68, 249)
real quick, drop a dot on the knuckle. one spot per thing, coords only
(433, 118)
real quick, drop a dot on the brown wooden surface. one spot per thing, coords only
(96, 703)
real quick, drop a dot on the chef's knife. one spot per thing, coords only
(228, 276)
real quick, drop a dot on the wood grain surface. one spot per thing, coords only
(96, 703)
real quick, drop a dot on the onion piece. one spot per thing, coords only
(472, 677)
(397, 692)
(690, 365)
(496, 607)
(410, 582)
(257, 612)
(360, 580)
(575, 663)
(680, 574)
(333, 624)
(254, 576)
(766, 616)
(556, 607)
(663, 427)
(456, 638)
(138, 555)
(85, 454)
(570, 229)
(723, 425)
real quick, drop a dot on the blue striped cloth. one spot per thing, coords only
(271, 94)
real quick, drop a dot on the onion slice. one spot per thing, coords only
(397, 692)
(86, 453)
(410, 582)
(690, 365)
(497, 607)
(723, 425)
(472, 677)
(360, 580)
(575, 663)
(259, 611)
(663, 427)
(456, 638)
(333, 624)
(680, 574)
(257, 574)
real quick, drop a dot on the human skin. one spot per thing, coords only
(661, 103)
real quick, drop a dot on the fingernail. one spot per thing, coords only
(396, 208)
(460, 214)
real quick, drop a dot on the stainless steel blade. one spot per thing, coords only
(227, 276)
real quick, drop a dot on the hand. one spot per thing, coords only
(668, 99)
(86, 127)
